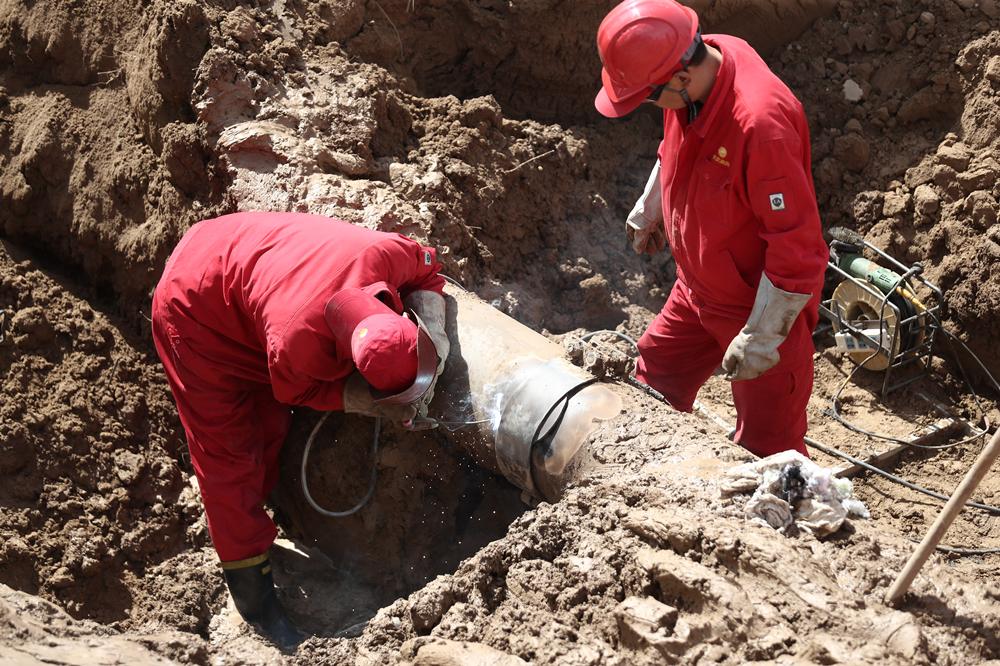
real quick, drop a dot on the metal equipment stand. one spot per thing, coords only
(910, 340)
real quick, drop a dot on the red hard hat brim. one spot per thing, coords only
(612, 109)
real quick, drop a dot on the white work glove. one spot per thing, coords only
(430, 307)
(644, 224)
(358, 400)
(755, 350)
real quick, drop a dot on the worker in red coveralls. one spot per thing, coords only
(259, 311)
(733, 182)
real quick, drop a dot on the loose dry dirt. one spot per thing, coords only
(469, 125)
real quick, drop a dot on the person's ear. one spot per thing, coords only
(684, 79)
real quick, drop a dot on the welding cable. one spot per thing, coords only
(453, 281)
(305, 458)
(950, 337)
(819, 330)
(961, 551)
(872, 468)
(649, 389)
(835, 415)
(957, 339)
(588, 336)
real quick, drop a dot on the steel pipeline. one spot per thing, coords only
(528, 410)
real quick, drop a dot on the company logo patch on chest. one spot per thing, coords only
(427, 258)
(720, 156)
(777, 201)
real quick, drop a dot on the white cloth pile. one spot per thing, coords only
(789, 488)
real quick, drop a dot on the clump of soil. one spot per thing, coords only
(470, 128)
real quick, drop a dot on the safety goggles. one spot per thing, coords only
(654, 96)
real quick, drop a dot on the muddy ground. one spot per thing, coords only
(470, 126)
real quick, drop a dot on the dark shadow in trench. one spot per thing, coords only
(433, 505)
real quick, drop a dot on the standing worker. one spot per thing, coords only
(733, 181)
(259, 311)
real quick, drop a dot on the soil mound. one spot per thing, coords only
(470, 126)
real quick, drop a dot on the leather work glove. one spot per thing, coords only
(430, 307)
(754, 350)
(358, 400)
(644, 225)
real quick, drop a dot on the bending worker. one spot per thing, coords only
(732, 193)
(259, 311)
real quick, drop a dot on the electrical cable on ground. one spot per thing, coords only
(834, 414)
(962, 551)
(588, 336)
(872, 468)
(649, 389)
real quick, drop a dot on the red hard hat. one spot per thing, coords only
(642, 43)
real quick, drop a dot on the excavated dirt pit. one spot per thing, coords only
(470, 127)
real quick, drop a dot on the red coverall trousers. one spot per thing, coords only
(685, 344)
(234, 438)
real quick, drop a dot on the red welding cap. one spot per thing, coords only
(384, 347)
(388, 349)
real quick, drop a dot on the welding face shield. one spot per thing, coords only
(426, 368)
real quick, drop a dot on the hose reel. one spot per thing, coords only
(890, 322)
(876, 318)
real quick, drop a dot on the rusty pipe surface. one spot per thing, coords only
(510, 398)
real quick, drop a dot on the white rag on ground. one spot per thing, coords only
(789, 488)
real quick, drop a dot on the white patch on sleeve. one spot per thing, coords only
(777, 201)
(427, 258)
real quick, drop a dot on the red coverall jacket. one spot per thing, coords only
(738, 201)
(738, 195)
(238, 322)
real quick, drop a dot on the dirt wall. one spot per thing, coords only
(468, 126)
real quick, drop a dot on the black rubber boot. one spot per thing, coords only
(252, 586)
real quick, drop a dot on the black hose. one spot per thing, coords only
(588, 336)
